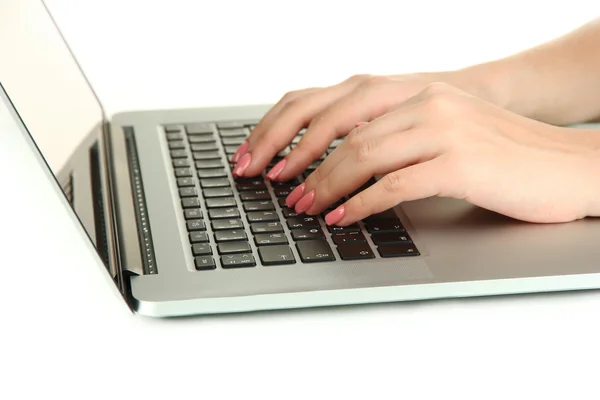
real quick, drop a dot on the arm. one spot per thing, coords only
(557, 82)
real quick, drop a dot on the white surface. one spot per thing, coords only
(57, 315)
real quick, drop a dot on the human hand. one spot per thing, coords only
(444, 142)
(328, 113)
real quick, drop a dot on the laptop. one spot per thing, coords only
(178, 235)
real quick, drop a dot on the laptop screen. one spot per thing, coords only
(43, 81)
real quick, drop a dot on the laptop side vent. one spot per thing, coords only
(67, 188)
(98, 204)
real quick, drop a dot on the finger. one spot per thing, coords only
(365, 103)
(293, 116)
(405, 117)
(416, 182)
(268, 118)
(378, 156)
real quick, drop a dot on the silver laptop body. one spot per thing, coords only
(154, 192)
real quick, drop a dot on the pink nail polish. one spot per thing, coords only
(335, 216)
(305, 202)
(296, 195)
(240, 152)
(356, 125)
(242, 165)
(276, 170)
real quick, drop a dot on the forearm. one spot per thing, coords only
(557, 82)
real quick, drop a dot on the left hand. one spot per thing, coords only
(444, 142)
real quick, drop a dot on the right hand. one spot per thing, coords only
(327, 113)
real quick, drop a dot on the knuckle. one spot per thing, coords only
(376, 80)
(308, 148)
(392, 183)
(289, 96)
(366, 151)
(355, 137)
(437, 87)
(359, 78)
(441, 103)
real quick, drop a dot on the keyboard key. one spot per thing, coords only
(196, 225)
(214, 182)
(230, 125)
(204, 146)
(314, 251)
(188, 192)
(283, 191)
(224, 224)
(348, 237)
(176, 145)
(263, 239)
(266, 227)
(174, 136)
(350, 228)
(291, 182)
(183, 172)
(355, 251)
(198, 237)
(237, 260)
(307, 234)
(302, 222)
(201, 249)
(204, 263)
(255, 184)
(233, 141)
(234, 132)
(181, 162)
(220, 213)
(252, 195)
(199, 128)
(234, 247)
(217, 192)
(225, 236)
(206, 155)
(384, 225)
(276, 255)
(398, 250)
(289, 212)
(205, 138)
(390, 237)
(262, 216)
(230, 149)
(172, 128)
(212, 173)
(185, 182)
(179, 153)
(218, 202)
(190, 202)
(192, 213)
(263, 205)
(281, 202)
(207, 164)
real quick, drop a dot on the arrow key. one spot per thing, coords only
(355, 251)
(276, 255)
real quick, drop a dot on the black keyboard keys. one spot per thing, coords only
(190, 202)
(226, 236)
(263, 205)
(355, 251)
(262, 239)
(307, 234)
(262, 216)
(234, 247)
(221, 202)
(221, 213)
(185, 182)
(196, 225)
(204, 263)
(252, 195)
(227, 224)
(198, 237)
(217, 192)
(266, 227)
(237, 260)
(398, 250)
(390, 237)
(201, 249)
(314, 251)
(276, 255)
(214, 182)
(212, 173)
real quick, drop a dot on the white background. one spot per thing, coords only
(62, 331)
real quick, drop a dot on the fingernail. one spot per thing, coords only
(296, 195)
(356, 125)
(242, 165)
(305, 202)
(240, 152)
(276, 170)
(335, 216)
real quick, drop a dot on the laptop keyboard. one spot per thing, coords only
(244, 222)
